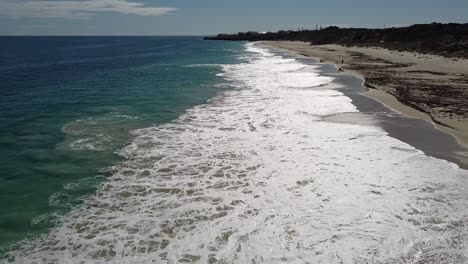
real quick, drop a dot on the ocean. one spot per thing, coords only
(68, 104)
(178, 150)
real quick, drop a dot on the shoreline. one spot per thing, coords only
(333, 53)
(457, 154)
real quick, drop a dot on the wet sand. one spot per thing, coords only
(423, 86)
(413, 129)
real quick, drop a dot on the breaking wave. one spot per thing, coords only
(257, 175)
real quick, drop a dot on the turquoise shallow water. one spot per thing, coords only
(68, 103)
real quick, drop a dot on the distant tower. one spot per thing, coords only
(316, 27)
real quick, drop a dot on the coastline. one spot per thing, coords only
(421, 66)
(263, 154)
(335, 55)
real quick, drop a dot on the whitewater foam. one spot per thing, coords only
(99, 133)
(258, 175)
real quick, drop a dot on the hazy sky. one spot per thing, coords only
(200, 17)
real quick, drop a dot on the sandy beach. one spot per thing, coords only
(424, 86)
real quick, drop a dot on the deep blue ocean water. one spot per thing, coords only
(68, 103)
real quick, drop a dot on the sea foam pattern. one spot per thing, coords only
(257, 176)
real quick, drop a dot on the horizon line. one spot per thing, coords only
(201, 35)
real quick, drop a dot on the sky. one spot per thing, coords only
(207, 17)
